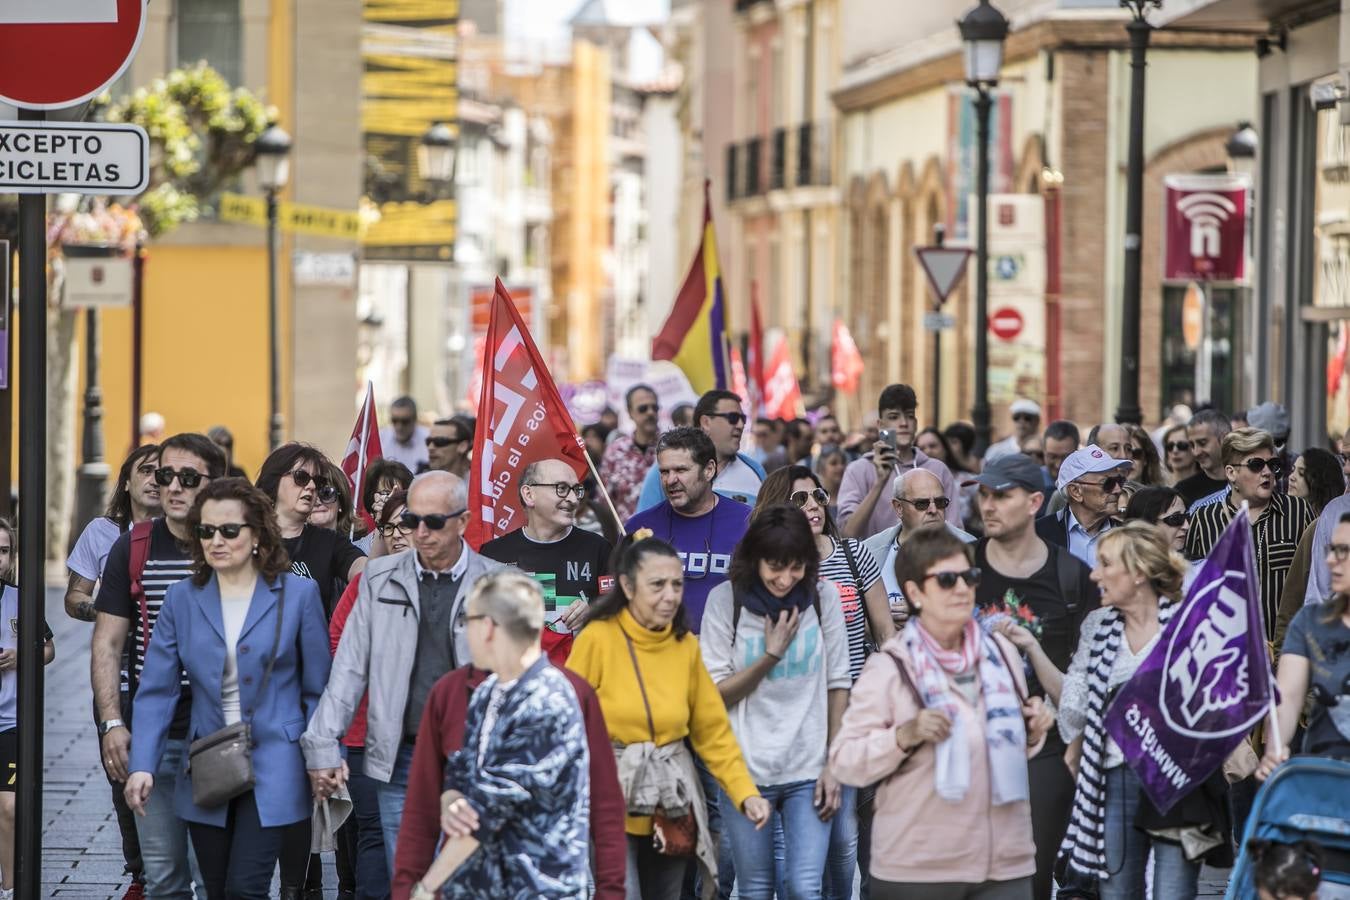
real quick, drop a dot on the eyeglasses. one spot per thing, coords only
(1257, 463)
(303, 478)
(390, 528)
(1108, 485)
(647, 408)
(433, 521)
(1177, 446)
(327, 494)
(799, 498)
(398, 421)
(441, 440)
(733, 418)
(1137, 452)
(1023, 417)
(561, 488)
(923, 503)
(1339, 552)
(1175, 520)
(229, 531)
(947, 580)
(189, 478)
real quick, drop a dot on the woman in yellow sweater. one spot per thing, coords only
(646, 668)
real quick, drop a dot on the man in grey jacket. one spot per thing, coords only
(406, 630)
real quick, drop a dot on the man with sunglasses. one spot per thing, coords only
(1057, 588)
(405, 631)
(1090, 480)
(448, 448)
(1278, 520)
(629, 457)
(403, 440)
(568, 562)
(737, 476)
(141, 567)
(862, 510)
(1026, 419)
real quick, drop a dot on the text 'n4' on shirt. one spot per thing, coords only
(167, 564)
(567, 569)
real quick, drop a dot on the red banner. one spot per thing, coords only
(1206, 228)
(782, 394)
(363, 449)
(521, 419)
(754, 356)
(846, 363)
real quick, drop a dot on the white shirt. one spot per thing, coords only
(456, 571)
(412, 454)
(233, 611)
(90, 553)
(738, 482)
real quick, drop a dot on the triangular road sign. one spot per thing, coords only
(944, 267)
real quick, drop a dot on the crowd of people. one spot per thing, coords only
(791, 663)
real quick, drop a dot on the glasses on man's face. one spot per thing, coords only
(401, 423)
(1257, 463)
(923, 503)
(440, 440)
(647, 408)
(947, 580)
(228, 530)
(1107, 485)
(1178, 446)
(561, 488)
(799, 498)
(433, 521)
(188, 477)
(1339, 552)
(733, 418)
(1175, 520)
(1023, 417)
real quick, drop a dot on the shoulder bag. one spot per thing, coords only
(220, 765)
(671, 835)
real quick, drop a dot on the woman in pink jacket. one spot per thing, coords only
(941, 719)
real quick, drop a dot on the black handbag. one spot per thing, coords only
(220, 765)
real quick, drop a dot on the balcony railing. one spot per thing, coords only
(733, 171)
(752, 186)
(814, 141)
(778, 165)
(788, 157)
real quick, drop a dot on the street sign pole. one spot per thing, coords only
(32, 534)
(944, 266)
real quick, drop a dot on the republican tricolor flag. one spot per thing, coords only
(694, 336)
(363, 449)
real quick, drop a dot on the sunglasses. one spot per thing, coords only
(389, 529)
(1339, 552)
(733, 418)
(303, 478)
(799, 498)
(1137, 452)
(923, 503)
(1108, 485)
(1175, 520)
(326, 494)
(397, 421)
(1177, 446)
(947, 580)
(1256, 464)
(433, 521)
(1023, 417)
(561, 488)
(647, 408)
(229, 531)
(189, 478)
(443, 441)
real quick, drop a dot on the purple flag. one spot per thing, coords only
(1206, 683)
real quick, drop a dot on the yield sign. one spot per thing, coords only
(57, 53)
(944, 267)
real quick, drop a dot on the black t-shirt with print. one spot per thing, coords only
(576, 562)
(324, 556)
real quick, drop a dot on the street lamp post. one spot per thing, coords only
(1139, 29)
(272, 150)
(1241, 150)
(436, 157)
(983, 31)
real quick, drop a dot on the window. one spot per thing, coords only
(211, 30)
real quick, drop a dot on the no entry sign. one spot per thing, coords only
(57, 53)
(1006, 323)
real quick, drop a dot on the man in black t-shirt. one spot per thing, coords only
(1056, 586)
(1206, 431)
(186, 463)
(569, 562)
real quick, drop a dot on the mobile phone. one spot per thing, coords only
(888, 437)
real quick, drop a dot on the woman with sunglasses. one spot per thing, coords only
(383, 478)
(1163, 508)
(1148, 468)
(1114, 825)
(939, 720)
(774, 642)
(851, 568)
(251, 637)
(1316, 657)
(1178, 458)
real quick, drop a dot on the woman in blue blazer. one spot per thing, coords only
(219, 627)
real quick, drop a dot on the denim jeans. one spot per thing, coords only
(390, 796)
(726, 869)
(372, 869)
(806, 843)
(166, 854)
(1174, 877)
(842, 860)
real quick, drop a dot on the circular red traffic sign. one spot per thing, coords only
(57, 53)
(1006, 323)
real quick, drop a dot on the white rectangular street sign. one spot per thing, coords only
(75, 158)
(936, 321)
(51, 12)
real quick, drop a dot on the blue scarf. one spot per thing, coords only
(758, 600)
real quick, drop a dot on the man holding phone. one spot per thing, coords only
(866, 481)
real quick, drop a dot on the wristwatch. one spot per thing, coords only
(108, 725)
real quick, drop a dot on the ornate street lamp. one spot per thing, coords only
(436, 155)
(1241, 149)
(272, 156)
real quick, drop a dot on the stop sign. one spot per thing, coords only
(1006, 323)
(57, 53)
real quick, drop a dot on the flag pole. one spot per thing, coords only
(359, 481)
(601, 484)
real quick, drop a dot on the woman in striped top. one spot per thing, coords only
(847, 564)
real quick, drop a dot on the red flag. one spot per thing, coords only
(846, 363)
(521, 419)
(363, 449)
(738, 383)
(754, 356)
(782, 395)
(1336, 365)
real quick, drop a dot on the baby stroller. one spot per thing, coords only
(1306, 798)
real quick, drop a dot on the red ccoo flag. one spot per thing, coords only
(363, 449)
(754, 356)
(846, 363)
(782, 394)
(521, 419)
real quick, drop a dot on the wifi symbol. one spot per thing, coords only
(1206, 212)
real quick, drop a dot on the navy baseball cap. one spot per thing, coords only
(1009, 471)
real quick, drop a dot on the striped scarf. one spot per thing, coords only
(1084, 846)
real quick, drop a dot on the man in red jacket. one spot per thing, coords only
(441, 733)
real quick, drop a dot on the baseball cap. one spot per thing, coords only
(1030, 407)
(1009, 471)
(1271, 418)
(1087, 461)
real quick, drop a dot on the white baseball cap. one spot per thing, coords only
(1020, 405)
(1087, 461)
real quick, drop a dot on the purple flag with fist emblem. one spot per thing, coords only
(1206, 683)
